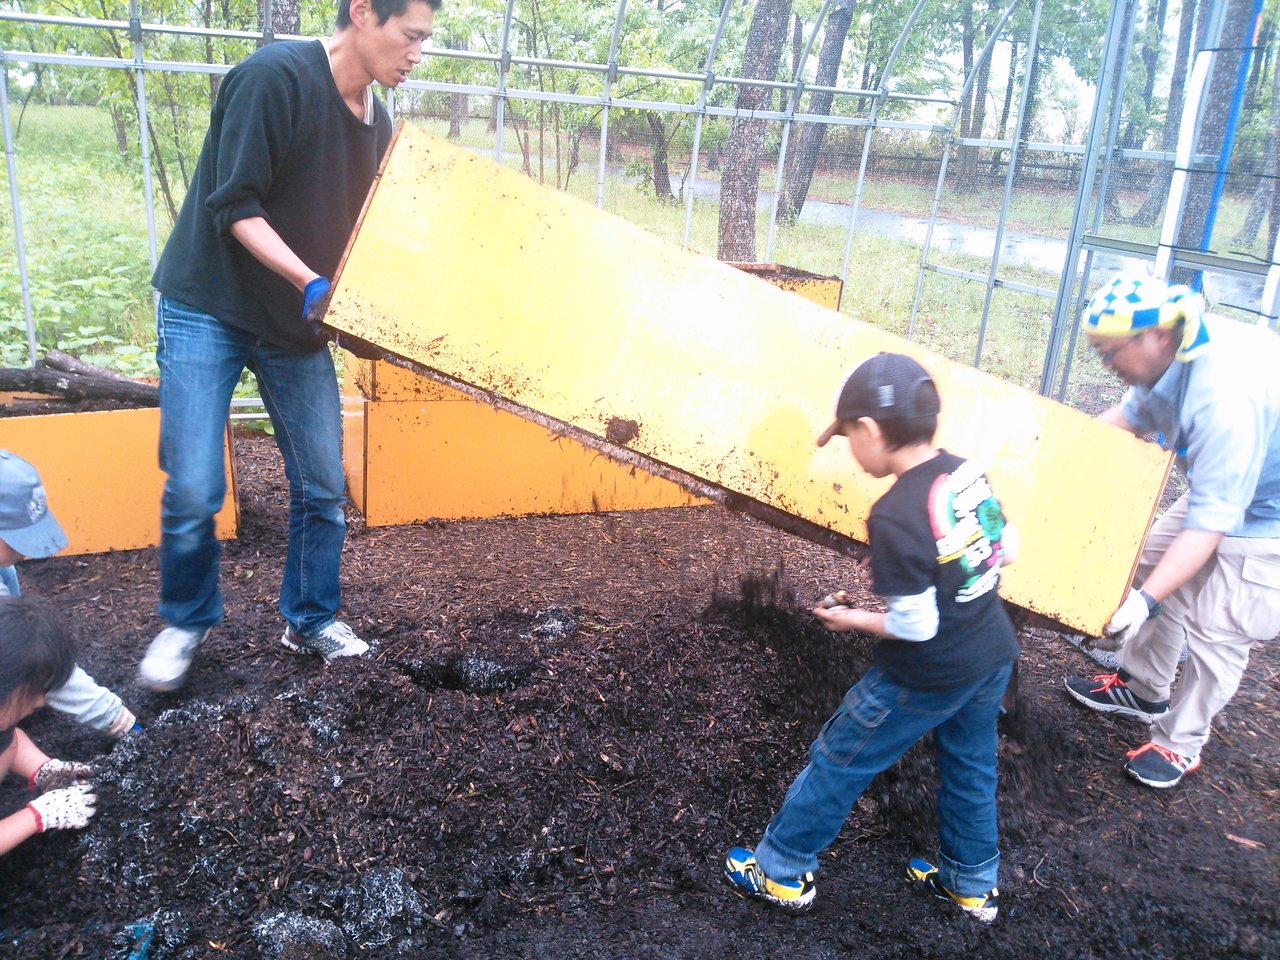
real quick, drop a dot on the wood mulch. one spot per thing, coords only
(566, 722)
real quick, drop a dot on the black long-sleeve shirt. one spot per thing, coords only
(282, 144)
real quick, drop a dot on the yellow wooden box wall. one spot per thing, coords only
(102, 475)
(413, 460)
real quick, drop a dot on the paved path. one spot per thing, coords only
(1017, 249)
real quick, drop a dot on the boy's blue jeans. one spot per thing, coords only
(877, 722)
(200, 362)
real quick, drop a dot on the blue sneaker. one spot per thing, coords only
(743, 873)
(983, 907)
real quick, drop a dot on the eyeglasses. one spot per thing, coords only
(1107, 356)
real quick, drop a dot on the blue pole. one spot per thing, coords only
(1228, 140)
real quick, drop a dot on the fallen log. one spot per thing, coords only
(57, 360)
(76, 386)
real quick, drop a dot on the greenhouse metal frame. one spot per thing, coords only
(1099, 154)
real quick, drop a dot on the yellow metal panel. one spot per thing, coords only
(532, 296)
(460, 460)
(102, 476)
(824, 291)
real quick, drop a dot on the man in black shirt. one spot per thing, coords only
(294, 142)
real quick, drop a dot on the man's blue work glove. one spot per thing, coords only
(315, 300)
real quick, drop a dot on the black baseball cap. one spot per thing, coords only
(888, 386)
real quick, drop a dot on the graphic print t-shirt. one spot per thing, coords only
(941, 526)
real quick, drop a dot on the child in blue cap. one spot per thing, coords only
(28, 529)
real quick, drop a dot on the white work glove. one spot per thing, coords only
(1125, 622)
(55, 774)
(67, 809)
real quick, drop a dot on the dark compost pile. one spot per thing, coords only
(565, 723)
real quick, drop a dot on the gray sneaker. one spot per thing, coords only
(168, 659)
(331, 642)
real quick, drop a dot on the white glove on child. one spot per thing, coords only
(55, 774)
(1125, 622)
(70, 808)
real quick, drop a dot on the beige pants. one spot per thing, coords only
(1233, 601)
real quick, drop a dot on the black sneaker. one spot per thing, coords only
(1159, 767)
(983, 907)
(1108, 693)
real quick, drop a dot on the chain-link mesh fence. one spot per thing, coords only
(954, 164)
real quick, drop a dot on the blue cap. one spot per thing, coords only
(26, 524)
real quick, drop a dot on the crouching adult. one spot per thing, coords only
(1209, 575)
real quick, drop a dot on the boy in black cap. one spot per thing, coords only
(28, 529)
(938, 539)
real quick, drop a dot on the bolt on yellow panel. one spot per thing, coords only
(102, 475)
(537, 301)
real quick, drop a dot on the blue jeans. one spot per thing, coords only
(200, 362)
(877, 722)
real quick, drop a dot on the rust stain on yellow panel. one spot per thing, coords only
(102, 476)
(824, 291)
(532, 296)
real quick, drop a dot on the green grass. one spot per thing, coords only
(84, 227)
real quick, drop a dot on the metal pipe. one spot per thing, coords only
(144, 128)
(504, 67)
(1033, 41)
(1269, 307)
(946, 157)
(610, 74)
(881, 80)
(1112, 51)
(11, 163)
(1188, 135)
(708, 83)
(1129, 20)
(1000, 281)
(793, 100)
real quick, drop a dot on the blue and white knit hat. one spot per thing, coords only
(1134, 301)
